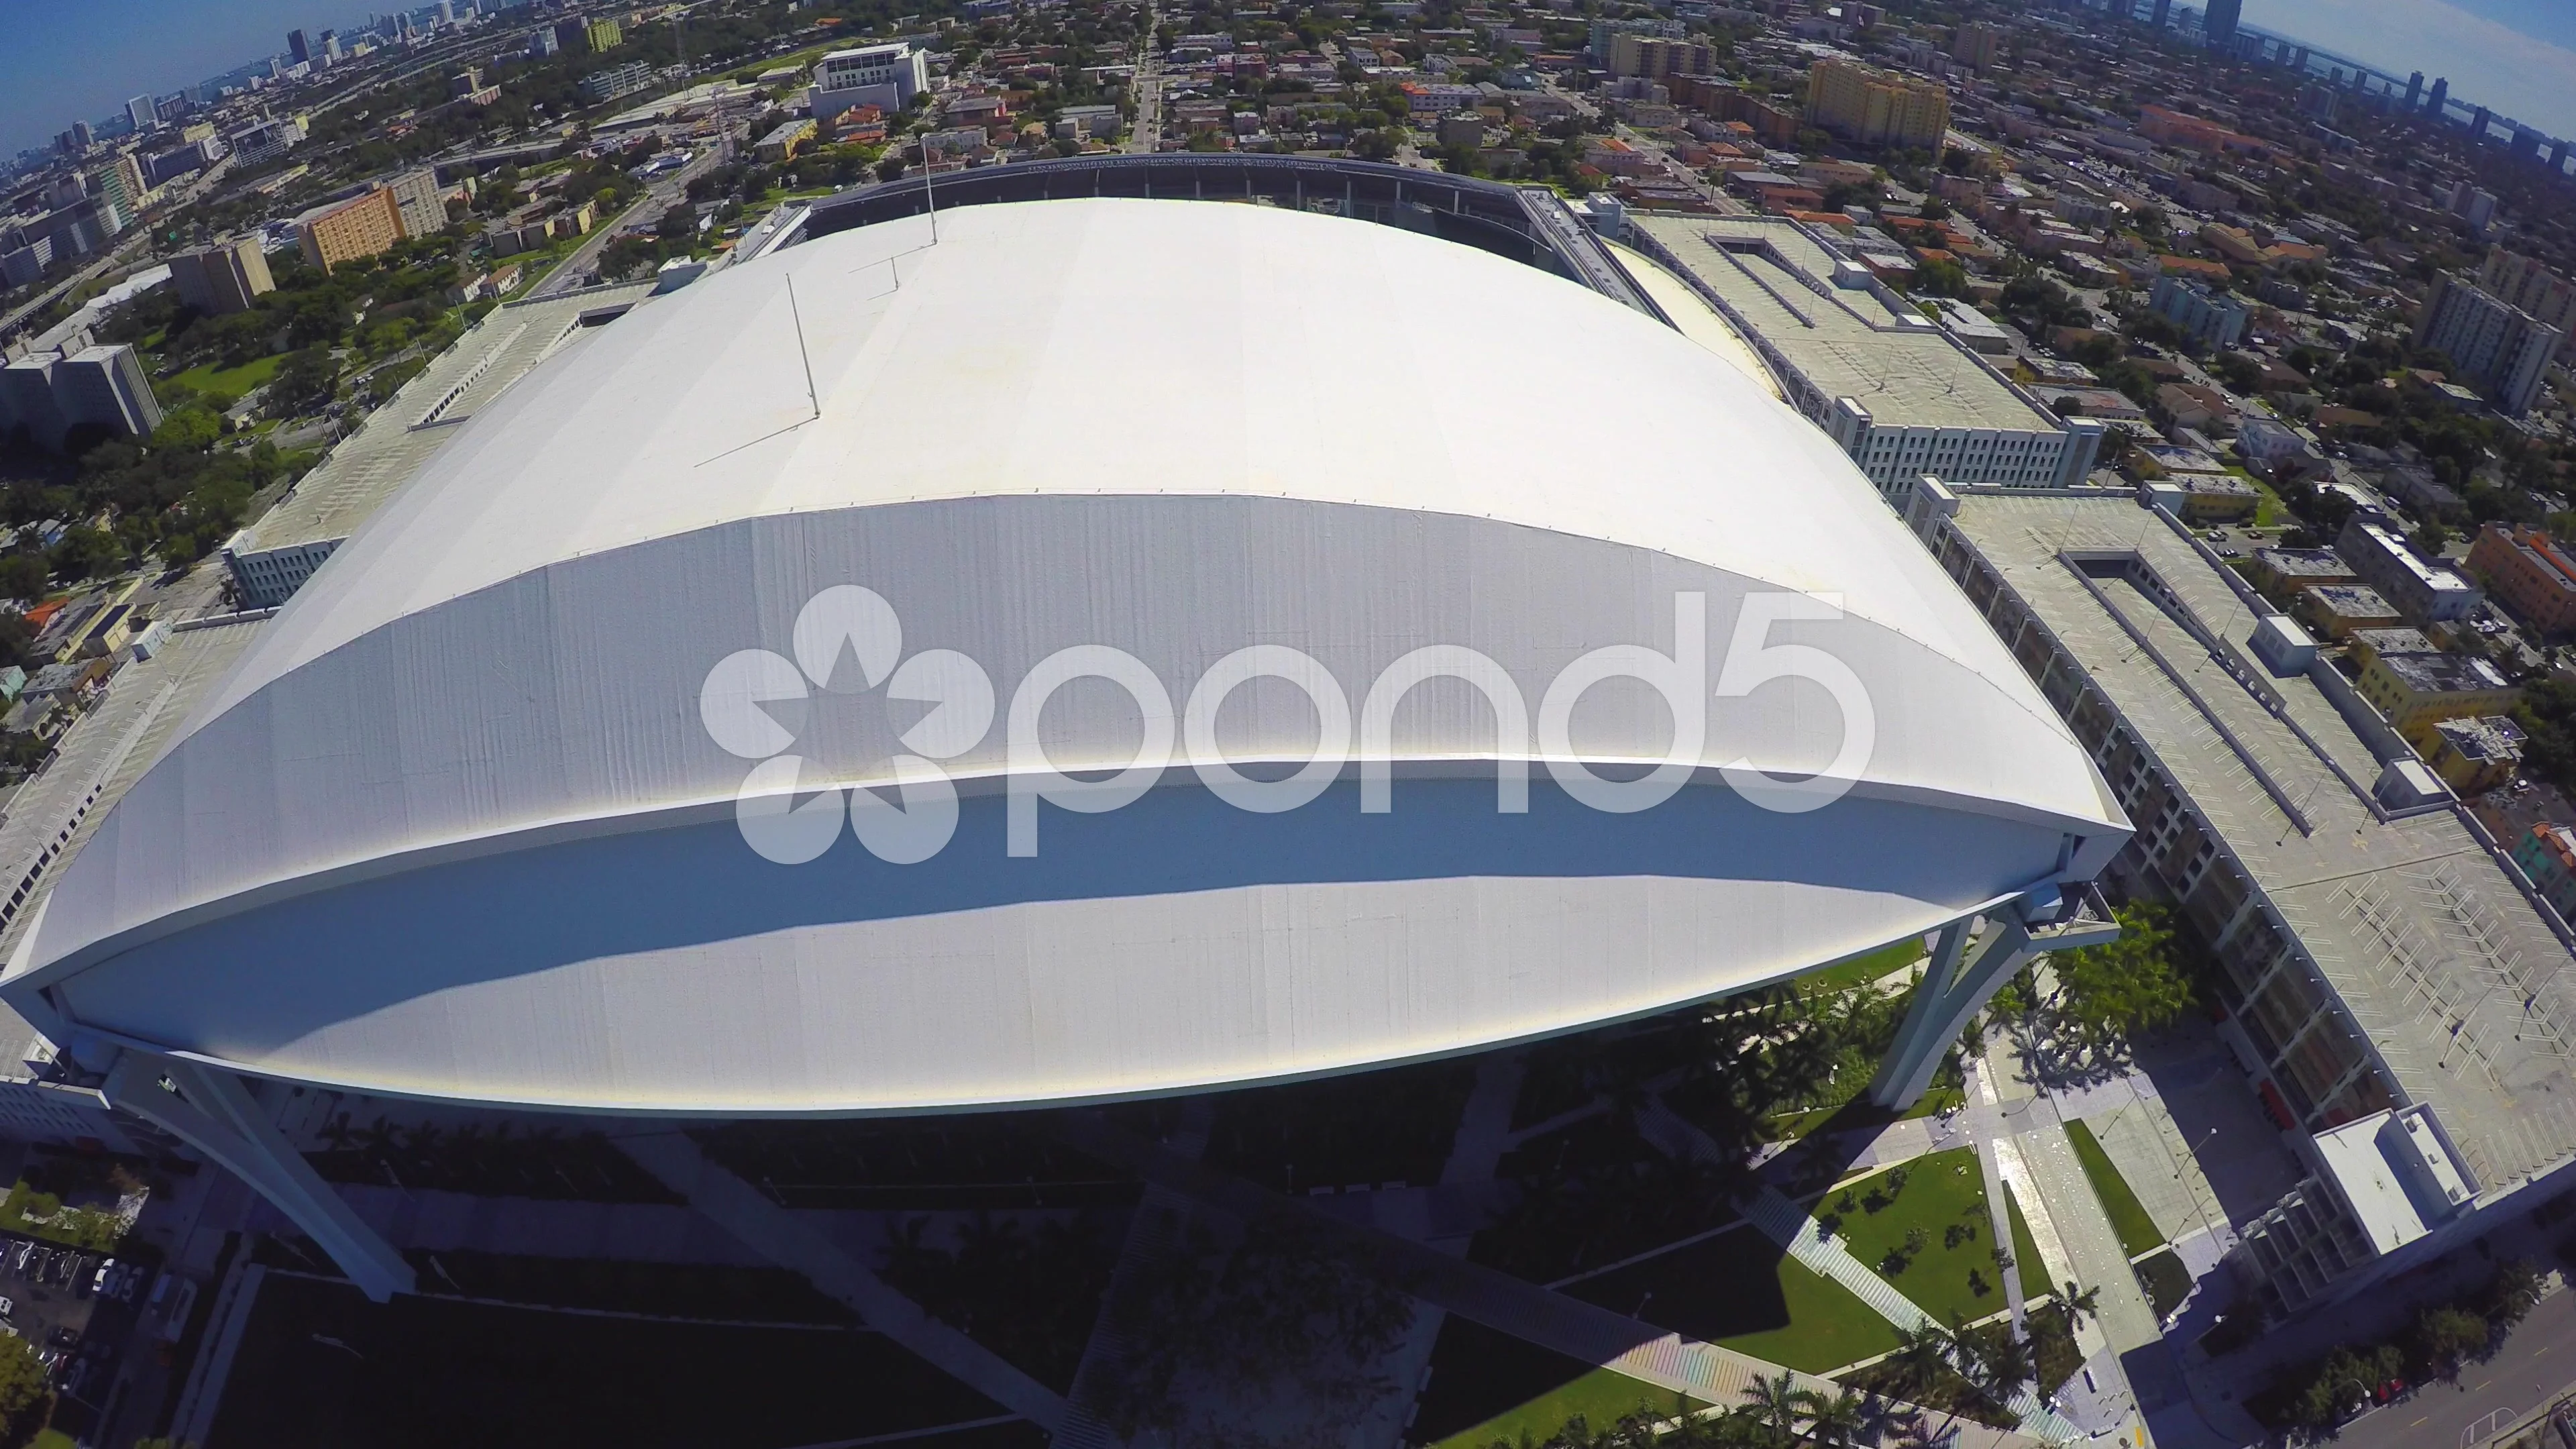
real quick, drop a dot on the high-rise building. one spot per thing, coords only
(1874, 107)
(82, 137)
(142, 113)
(2414, 90)
(117, 187)
(1977, 45)
(331, 53)
(347, 231)
(222, 278)
(420, 203)
(297, 47)
(106, 385)
(2163, 13)
(2516, 279)
(2440, 96)
(446, 14)
(2218, 25)
(27, 397)
(2493, 345)
(542, 43)
(2478, 126)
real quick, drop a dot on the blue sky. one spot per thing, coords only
(2517, 57)
(67, 60)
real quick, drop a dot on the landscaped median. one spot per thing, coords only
(2138, 1232)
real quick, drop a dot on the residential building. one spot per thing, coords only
(264, 141)
(142, 113)
(2427, 593)
(2477, 754)
(1655, 56)
(118, 188)
(2547, 855)
(542, 43)
(298, 47)
(2211, 320)
(2368, 644)
(617, 80)
(419, 202)
(1872, 107)
(602, 36)
(2416, 691)
(223, 278)
(1898, 393)
(343, 231)
(2335, 611)
(2218, 23)
(2529, 573)
(783, 143)
(2281, 572)
(885, 76)
(1978, 46)
(2519, 281)
(2493, 345)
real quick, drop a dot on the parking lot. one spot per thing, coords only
(55, 1303)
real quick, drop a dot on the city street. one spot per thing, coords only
(2536, 1366)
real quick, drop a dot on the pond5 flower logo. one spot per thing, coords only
(847, 640)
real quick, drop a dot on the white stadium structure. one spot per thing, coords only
(534, 795)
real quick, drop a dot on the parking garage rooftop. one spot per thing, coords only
(2462, 985)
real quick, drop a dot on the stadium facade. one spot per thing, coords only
(1053, 652)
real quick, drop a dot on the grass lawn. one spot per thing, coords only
(206, 377)
(2025, 1251)
(1944, 1195)
(1741, 1291)
(2128, 1216)
(1868, 967)
(53, 1439)
(2166, 1281)
(1599, 1398)
(1487, 1385)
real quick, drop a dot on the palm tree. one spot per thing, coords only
(2000, 1367)
(1923, 1355)
(1836, 1422)
(2080, 1305)
(1780, 1404)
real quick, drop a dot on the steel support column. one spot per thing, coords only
(213, 1112)
(1953, 990)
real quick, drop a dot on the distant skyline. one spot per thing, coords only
(2516, 57)
(66, 62)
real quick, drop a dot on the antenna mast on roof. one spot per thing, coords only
(797, 314)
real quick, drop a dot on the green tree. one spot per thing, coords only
(192, 428)
(22, 1390)
(2133, 984)
(304, 382)
(2447, 1335)
(1836, 1422)
(1779, 1403)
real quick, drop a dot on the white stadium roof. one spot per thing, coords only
(459, 823)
